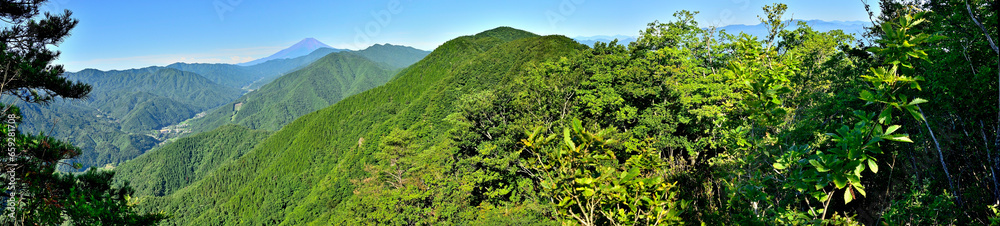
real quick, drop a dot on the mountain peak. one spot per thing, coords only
(311, 43)
(506, 33)
(301, 48)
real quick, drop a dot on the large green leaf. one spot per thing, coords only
(898, 138)
(779, 166)
(917, 101)
(891, 129)
(840, 181)
(872, 165)
(819, 166)
(860, 189)
(568, 138)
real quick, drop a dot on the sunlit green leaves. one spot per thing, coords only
(819, 166)
(872, 165)
(898, 138)
(856, 146)
(583, 170)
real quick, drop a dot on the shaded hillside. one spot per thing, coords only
(302, 174)
(95, 133)
(141, 111)
(229, 75)
(171, 167)
(181, 86)
(118, 120)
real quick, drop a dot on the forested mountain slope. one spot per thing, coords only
(303, 172)
(169, 168)
(322, 83)
(273, 69)
(228, 75)
(393, 56)
(182, 86)
(98, 135)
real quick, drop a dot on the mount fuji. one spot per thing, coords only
(301, 48)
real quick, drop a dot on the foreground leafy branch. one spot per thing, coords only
(593, 185)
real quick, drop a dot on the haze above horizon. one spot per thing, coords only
(135, 34)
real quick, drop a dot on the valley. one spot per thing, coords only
(448, 113)
(163, 103)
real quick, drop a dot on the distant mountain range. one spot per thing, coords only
(758, 30)
(131, 111)
(302, 48)
(590, 40)
(116, 122)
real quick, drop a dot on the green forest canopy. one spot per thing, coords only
(684, 125)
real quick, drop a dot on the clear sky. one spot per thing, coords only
(134, 34)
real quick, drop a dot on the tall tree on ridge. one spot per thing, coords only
(34, 192)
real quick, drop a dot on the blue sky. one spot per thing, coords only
(134, 34)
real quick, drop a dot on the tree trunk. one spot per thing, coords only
(989, 160)
(995, 51)
(981, 27)
(944, 166)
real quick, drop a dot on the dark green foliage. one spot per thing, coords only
(24, 55)
(34, 193)
(44, 196)
(92, 200)
(171, 167)
(920, 206)
(100, 137)
(961, 84)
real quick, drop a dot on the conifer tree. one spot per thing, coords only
(34, 192)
